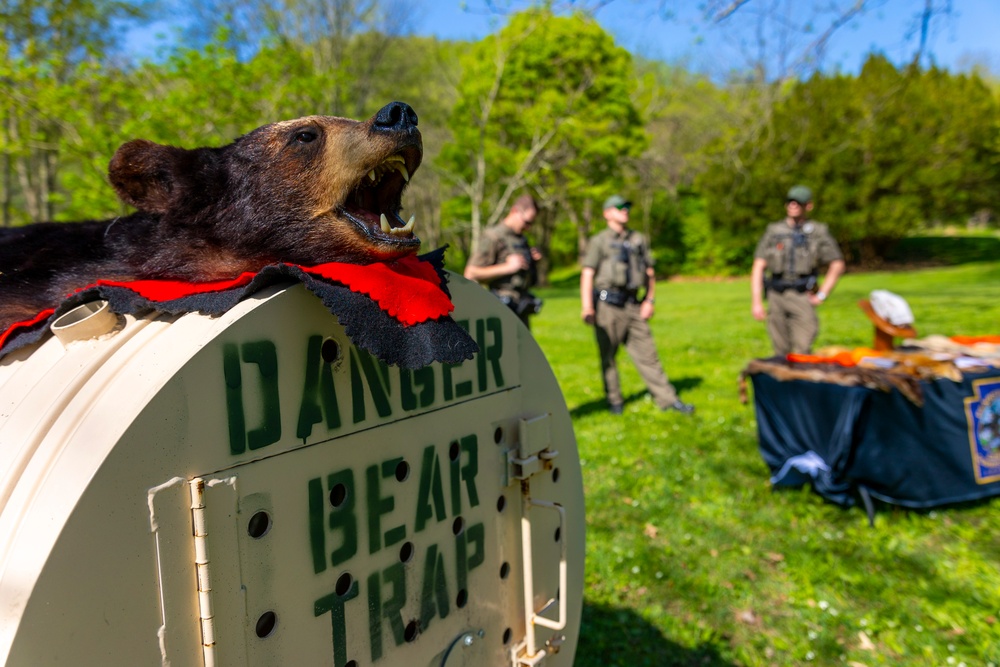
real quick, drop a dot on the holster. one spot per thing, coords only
(525, 303)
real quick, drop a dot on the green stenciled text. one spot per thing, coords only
(357, 389)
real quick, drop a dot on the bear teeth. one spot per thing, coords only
(402, 170)
(392, 162)
(396, 231)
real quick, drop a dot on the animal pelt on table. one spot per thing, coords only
(880, 379)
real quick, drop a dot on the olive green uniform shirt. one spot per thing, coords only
(619, 261)
(495, 245)
(794, 253)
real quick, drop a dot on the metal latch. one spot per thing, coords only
(533, 454)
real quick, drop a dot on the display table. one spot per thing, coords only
(934, 442)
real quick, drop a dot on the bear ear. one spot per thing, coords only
(152, 177)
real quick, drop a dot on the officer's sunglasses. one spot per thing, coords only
(624, 207)
(794, 201)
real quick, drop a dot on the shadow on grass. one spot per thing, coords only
(886, 508)
(686, 384)
(601, 405)
(618, 636)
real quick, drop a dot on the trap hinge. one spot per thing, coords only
(533, 453)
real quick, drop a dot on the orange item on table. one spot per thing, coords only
(972, 340)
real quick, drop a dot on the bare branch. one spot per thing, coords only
(723, 13)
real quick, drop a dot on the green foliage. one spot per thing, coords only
(692, 559)
(60, 132)
(885, 152)
(546, 105)
(549, 105)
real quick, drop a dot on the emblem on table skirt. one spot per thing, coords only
(982, 412)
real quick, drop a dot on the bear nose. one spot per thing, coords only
(396, 116)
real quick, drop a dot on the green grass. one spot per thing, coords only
(692, 559)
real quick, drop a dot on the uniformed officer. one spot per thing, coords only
(791, 252)
(617, 286)
(505, 262)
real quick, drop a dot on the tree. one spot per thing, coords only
(45, 47)
(545, 105)
(885, 152)
(345, 40)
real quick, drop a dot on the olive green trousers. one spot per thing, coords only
(791, 322)
(615, 327)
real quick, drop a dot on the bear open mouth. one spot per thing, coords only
(374, 203)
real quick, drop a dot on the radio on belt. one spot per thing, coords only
(252, 489)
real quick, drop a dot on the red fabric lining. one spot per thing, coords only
(167, 290)
(409, 289)
(40, 317)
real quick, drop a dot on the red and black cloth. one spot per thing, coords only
(398, 311)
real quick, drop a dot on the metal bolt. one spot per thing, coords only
(468, 639)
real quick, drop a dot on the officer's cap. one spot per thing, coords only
(801, 194)
(615, 201)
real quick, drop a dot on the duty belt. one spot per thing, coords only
(779, 283)
(617, 298)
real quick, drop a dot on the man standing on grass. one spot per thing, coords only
(616, 267)
(792, 250)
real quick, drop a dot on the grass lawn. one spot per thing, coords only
(692, 559)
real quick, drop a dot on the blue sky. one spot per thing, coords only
(970, 34)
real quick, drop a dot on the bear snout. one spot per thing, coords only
(395, 117)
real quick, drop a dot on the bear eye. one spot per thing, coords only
(305, 136)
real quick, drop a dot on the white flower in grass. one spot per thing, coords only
(823, 604)
(812, 634)
(810, 655)
(635, 569)
(864, 622)
(918, 628)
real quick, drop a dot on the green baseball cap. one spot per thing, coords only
(615, 201)
(801, 194)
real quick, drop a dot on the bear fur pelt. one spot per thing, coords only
(303, 192)
(872, 378)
